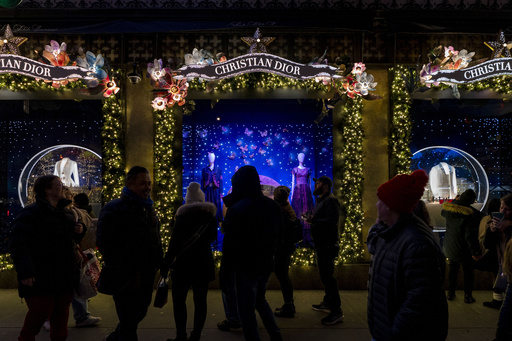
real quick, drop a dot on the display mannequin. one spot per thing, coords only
(302, 199)
(211, 184)
(443, 181)
(67, 170)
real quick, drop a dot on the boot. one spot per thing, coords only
(194, 336)
(287, 310)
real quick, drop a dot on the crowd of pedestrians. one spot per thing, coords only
(406, 297)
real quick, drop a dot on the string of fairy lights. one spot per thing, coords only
(351, 176)
(165, 187)
(112, 149)
(401, 124)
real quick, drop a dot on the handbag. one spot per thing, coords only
(162, 292)
(89, 274)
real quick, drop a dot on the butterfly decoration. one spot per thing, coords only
(203, 133)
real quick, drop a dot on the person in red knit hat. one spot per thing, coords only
(406, 299)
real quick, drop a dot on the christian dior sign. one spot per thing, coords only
(257, 62)
(32, 68)
(488, 69)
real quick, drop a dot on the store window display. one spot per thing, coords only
(443, 181)
(302, 198)
(67, 170)
(211, 184)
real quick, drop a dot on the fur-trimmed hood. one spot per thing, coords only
(452, 207)
(197, 207)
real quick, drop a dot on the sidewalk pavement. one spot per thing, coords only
(468, 322)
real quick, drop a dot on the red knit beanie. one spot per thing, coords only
(404, 191)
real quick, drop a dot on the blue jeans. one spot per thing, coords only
(251, 291)
(80, 306)
(504, 331)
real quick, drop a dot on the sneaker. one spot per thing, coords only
(226, 326)
(495, 304)
(46, 325)
(321, 307)
(333, 318)
(287, 310)
(90, 321)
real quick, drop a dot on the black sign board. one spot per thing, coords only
(257, 62)
(10, 63)
(491, 68)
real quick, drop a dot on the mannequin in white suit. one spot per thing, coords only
(443, 181)
(67, 170)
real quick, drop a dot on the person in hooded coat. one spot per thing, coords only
(190, 256)
(251, 229)
(461, 245)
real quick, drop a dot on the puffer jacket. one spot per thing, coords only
(406, 299)
(43, 246)
(461, 237)
(196, 262)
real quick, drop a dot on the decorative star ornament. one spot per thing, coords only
(9, 43)
(258, 43)
(500, 46)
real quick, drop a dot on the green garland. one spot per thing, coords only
(113, 157)
(165, 188)
(401, 125)
(351, 176)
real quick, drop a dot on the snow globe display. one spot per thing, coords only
(78, 167)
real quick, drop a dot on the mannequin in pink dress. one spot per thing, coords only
(302, 199)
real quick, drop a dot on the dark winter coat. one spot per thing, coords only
(250, 227)
(461, 238)
(324, 224)
(196, 262)
(406, 299)
(128, 235)
(43, 246)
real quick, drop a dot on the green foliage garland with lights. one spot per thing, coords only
(351, 176)
(165, 188)
(401, 125)
(112, 149)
